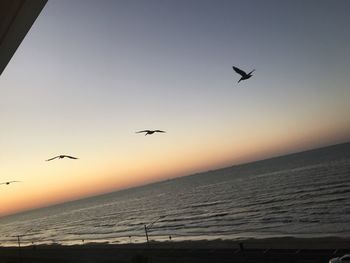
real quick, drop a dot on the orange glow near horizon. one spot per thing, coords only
(68, 181)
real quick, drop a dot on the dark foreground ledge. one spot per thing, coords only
(272, 250)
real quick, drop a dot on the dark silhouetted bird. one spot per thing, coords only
(243, 74)
(61, 157)
(10, 182)
(149, 131)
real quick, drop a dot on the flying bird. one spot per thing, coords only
(61, 157)
(10, 182)
(149, 131)
(242, 73)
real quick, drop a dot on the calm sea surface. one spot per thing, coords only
(301, 195)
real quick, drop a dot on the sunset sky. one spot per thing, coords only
(91, 73)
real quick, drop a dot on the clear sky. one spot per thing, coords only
(91, 73)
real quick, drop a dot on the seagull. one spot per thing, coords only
(10, 182)
(61, 157)
(242, 73)
(149, 131)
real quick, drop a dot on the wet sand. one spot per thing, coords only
(251, 250)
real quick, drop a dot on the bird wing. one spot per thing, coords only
(239, 71)
(251, 72)
(71, 157)
(143, 131)
(52, 158)
(159, 131)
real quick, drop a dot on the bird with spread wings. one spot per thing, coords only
(10, 182)
(243, 74)
(61, 157)
(149, 131)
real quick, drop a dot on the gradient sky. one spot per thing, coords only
(91, 73)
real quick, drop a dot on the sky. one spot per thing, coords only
(89, 74)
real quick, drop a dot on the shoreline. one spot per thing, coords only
(287, 242)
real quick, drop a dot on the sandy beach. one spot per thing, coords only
(254, 250)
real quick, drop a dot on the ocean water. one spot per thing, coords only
(301, 195)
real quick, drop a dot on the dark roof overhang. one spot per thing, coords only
(16, 18)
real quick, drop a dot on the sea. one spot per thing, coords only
(304, 194)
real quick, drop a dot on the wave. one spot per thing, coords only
(209, 204)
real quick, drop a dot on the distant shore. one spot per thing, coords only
(286, 249)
